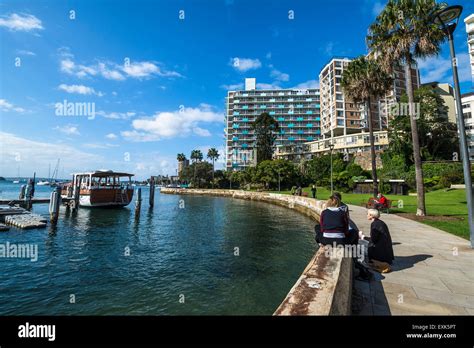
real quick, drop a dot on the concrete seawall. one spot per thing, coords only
(325, 286)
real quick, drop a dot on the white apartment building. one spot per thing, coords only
(468, 114)
(470, 41)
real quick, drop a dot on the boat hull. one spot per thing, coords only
(105, 197)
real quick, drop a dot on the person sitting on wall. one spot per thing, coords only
(334, 223)
(380, 202)
(380, 242)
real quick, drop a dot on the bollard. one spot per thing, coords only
(54, 203)
(22, 192)
(138, 203)
(76, 193)
(28, 195)
(152, 192)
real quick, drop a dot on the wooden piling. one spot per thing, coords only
(76, 193)
(138, 203)
(152, 192)
(54, 204)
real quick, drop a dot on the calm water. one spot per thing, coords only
(173, 252)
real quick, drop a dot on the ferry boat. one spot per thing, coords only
(102, 188)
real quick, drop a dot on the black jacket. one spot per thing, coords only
(380, 242)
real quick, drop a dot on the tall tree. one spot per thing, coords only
(365, 81)
(402, 32)
(213, 155)
(438, 136)
(181, 157)
(266, 129)
(196, 156)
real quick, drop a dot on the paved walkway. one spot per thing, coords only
(433, 272)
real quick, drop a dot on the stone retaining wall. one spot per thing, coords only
(325, 287)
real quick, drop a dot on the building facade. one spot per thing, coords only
(469, 21)
(446, 91)
(354, 145)
(341, 116)
(468, 114)
(295, 110)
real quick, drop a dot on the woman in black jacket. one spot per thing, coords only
(380, 242)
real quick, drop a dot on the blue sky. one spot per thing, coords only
(157, 76)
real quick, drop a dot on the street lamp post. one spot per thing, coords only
(448, 19)
(331, 147)
(279, 180)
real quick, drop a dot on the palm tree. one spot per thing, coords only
(364, 81)
(213, 155)
(402, 32)
(196, 156)
(181, 157)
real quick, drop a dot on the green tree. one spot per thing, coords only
(402, 32)
(270, 173)
(196, 156)
(199, 174)
(438, 137)
(181, 157)
(213, 155)
(266, 129)
(365, 81)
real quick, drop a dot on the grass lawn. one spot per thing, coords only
(447, 209)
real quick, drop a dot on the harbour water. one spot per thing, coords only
(189, 255)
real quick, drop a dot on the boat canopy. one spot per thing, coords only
(104, 173)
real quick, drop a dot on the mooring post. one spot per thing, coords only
(54, 203)
(138, 203)
(76, 193)
(29, 194)
(22, 192)
(152, 192)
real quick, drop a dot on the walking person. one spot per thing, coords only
(313, 191)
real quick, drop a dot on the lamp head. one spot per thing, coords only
(448, 17)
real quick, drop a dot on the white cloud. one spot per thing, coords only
(245, 64)
(116, 115)
(79, 89)
(68, 129)
(6, 106)
(112, 71)
(99, 146)
(25, 53)
(183, 122)
(439, 69)
(21, 22)
(278, 75)
(35, 155)
(111, 136)
(273, 85)
(146, 69)
(307, 84)
(233, 87)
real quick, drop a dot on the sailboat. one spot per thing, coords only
(54, 177)
(45, 182)
(17, 181)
